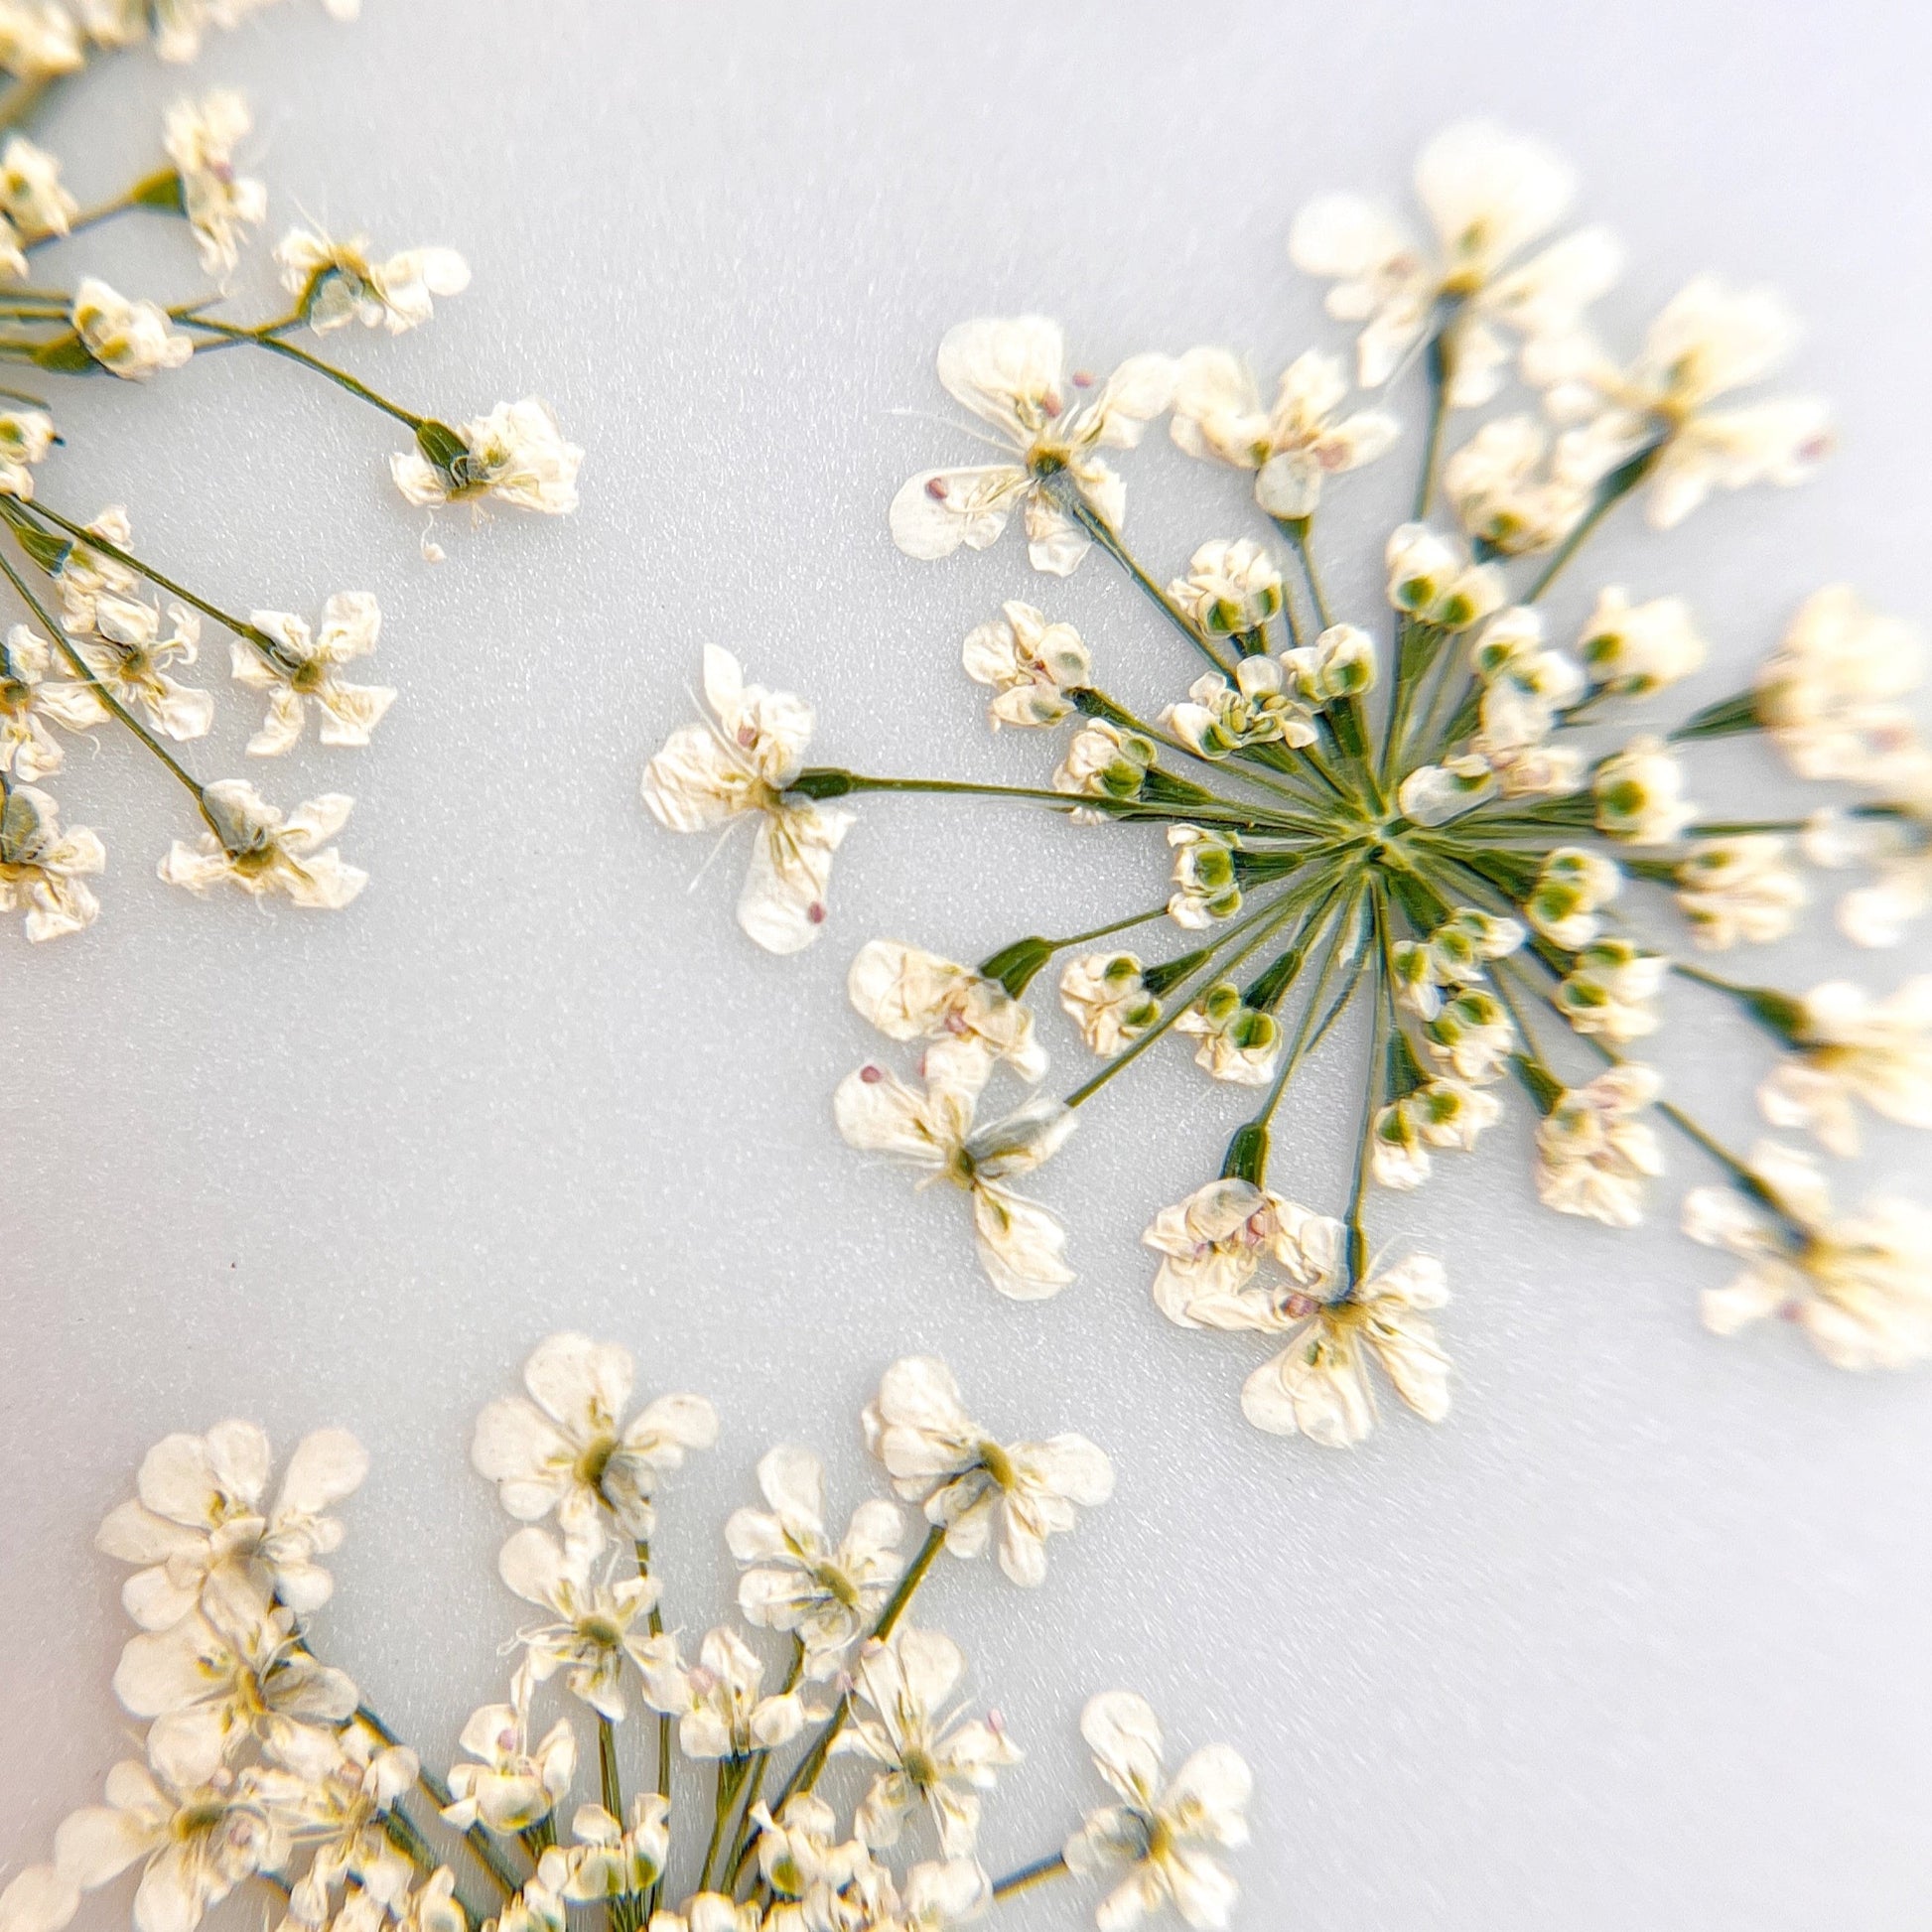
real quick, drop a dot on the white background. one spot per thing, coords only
(1638, 1637)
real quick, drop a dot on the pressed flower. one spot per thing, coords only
(1859, 1286)
(1570, 887)
(932, 1758)
(504, 1782)
(1011, 373)
(517, 454)
(1639, 794)
(932, 1130)
(200, 138)
(1847, 1048)
(566, 1446)
(1637, 649)
(799, 1578)
(124, 651)
(1231, 587)
(710, 774)
(1031, 664)
(131, 340)
(720, 1703)
(972, 1022)
(978, 1489)
(1103, 761)
(1340, 664)
(1432, 583)
(1291, 448)
(597, 1613)
(1237, 1042)
(1612, 989)
(1833, 695)
(308, 665)
(612, 1858)
(339, 282)
(31, 701)
(262, 852)
(1206, 884)
(31, 194)
(26, 436)
(1736, 888)
(1162, 1835)
(43, 870)
(1509, 492)
(1107, 999)
(1595, 1150)
(1257, 708)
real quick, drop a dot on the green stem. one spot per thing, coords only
(263, 338)
(640, 1548)
(1297, 530)
(1377, 1053)
(820, 781)
(1437, 360)
(1612, 491)
(1104, 534)
(1054, 1865)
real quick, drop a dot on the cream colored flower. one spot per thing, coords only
(1707, 342)
(1213, 1244)
(31, 701)
(1847, 1048)
(1595, 1150)
(1258, 707)
(234, 1668)
(1832, 694)
(1293, 447)
(972, 1022)
(1230, 588)
(44, 870)
(1639, 794)
(261, 852)
(1471, 1036)
(1508, 490)
(1859, 1286)
(707, 1911)
(1447, 1111)
(1103, 761)
(710, 774)
(1454, 954)
(31, 195)
(1639, 649)
(974, 1486)
(339, 283)
(1237, 1043)
(516, 452)
(566, 1447)
(1739, 889)
(87, 572)
(1340, 664)
(1572, 884)
(200, 138)
(1431, 583)
(1432, 795)
(1207, 877)
(308, 665)
(26, 436)
(1105, 996)
(131, 340)
(1612, 989)
(38, 39)
(1399, 1159)
(599, 1613)
(347, 1819)
(1009, 374)
(1489, 196)
(125, 651)
(503, 1784)
(198, 1831)
(612, 1858)
(798, 1579)
(720, 1701)
(932, 1758)
(1162, 1833)
(1031, 664)
(201, 1504)
(931, 1129)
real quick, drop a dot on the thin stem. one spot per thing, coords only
(438, 1793)
(1614, 487)
(731, 1771)
(755, 1778)
(1104, 534)
(1717, 1150)
(1308, 1035)
(1054, 1865)
(1117, 713)
(1437, 360)
(1297, 530)
(1105, 931)
(1221, 811)
(264, 339)
(1371, 1095)
(655, 1623)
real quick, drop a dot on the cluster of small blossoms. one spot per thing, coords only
(265, 1773)
(108, 630)
(1422, 818)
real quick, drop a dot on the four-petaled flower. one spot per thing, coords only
(308, 665)
(262, 852)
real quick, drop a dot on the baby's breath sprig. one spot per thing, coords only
(110, 655)
(1422, 824)
(265, 1770)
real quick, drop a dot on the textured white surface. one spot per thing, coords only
(1638, 1637)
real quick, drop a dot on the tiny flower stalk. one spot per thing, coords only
(1435, 816)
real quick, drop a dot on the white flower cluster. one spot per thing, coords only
(264, 1774)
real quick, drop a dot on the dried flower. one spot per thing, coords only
(200, 139)
(42, 869)
(262, 852)
(305, 665)
(517, 454)
(338, 283)
(1847, 1047)
(1031, 664)
(131, 340)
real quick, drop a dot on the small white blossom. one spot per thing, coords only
(1340, 664)
(1571, 886)
(1489, 196)
(261, 852)
(1030, 663)
(1237, 1043)
(1103, 761)
(504, 1783)
(30, 701)
(566, 1448)
(131, 340)
(1739, 889)
(339, 283)
(976, 1487)
(1231, 587)
(38, 39)
(720, 1701)
(1220, 718)
(26, 436)
(1595, 1150)
(1105, 996)
(1163, 1834)
(931, 1129)
(710, 774)
(1293, 447)
(201, 1504)
(125, 651)
(516, 452)
(310, 666)
(1639, 794)
(348, 1811)
(1859, 1286)
(1847, 1047)
(31, 194)
(200, 138)
(1009, 374)
(1208, 885)
(610, 1859)
(1510, 492)
(798, 1579)
(1832, 694)
(43, 870)
(1639, 649)
(1431, 583)
(933, 1758)
(1612, 989)
(972, 1022)
(1471, 1036)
